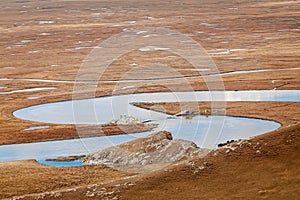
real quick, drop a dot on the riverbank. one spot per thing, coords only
(264, 167)
(289, 114)
(61, 132)
(273, 156)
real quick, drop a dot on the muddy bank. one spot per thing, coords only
(286, 113)
(65, 158)
(60, 132)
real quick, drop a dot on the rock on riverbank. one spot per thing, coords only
(157, 149)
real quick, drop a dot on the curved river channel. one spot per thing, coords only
(205, 131)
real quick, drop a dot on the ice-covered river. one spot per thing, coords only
(205, 131)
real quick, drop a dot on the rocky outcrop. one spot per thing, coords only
(155, 149)
(125, 120)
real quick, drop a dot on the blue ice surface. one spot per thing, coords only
(74, 163)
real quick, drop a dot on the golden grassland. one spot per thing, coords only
(50, 39)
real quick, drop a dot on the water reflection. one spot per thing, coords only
(102, 110)
(204, 131)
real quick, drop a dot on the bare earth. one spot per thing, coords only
(49, 40)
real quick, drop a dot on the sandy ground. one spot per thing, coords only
(50, 39)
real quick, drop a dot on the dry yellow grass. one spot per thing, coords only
(267, 31)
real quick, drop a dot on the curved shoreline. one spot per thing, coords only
(54, 130)
(211, 158)
(73, 107)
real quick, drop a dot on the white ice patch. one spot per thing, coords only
(130, 22)
(233, 50)
(44, 34)
(34, 97)
(72, 11)
(209, 25)
(34, 51)
(28, 90)
(35, 128)
(148, 17)
(26, 41)
(140, 32)
(133, 64)
(117, 25)
(46, 22)
(153, 48)
(151, 35)
(128, 87)
(225, 51)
